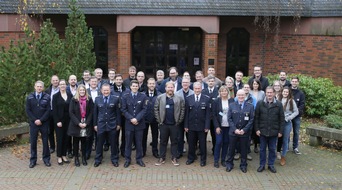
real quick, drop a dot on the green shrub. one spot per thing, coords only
(322, 97)
(334, 121)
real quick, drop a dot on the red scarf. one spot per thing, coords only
(83, 106)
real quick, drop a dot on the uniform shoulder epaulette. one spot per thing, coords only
(206, 96)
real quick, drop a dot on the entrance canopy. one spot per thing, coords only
(209, 24)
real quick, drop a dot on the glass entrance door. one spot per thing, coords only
(161, 48)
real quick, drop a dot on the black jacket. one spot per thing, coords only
(299, 98)
(263, 81)
(269, 119)
(75, 117)
(217, 109)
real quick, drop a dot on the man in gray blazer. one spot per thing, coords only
(169, 112)
(183, 93)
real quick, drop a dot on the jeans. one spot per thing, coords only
(222, 141)
(271, 143)
(296, 126)
(286, 137)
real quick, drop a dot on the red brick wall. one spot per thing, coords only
(6, 37)
(318, 56)
(124, 53)
(209, 51)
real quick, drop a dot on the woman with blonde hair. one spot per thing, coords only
(220, 120)
(81, 117)
(229, 82)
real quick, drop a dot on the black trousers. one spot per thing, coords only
(243, 144)
(62, 138)
(166, 132)
(34, 130)
(194, 137)
(101, 138)
(154, 133)
(76, 145)
(130, 136)
(51, 131)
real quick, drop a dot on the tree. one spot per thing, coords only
(78, 42)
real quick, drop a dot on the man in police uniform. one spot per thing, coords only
(197, 123)
(134, 106)
(38, 112)
(107, 119)
(240, 119)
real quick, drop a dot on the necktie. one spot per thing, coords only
(38, 96)
(241, 106)
(197, 98)
(210, 91)
(119, 89)
(106, 100)
(134, 96)
(151, 94)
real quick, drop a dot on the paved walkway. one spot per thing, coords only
(314, 169)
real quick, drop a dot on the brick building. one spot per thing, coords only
(195, 34)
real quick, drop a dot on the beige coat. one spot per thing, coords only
(160, 105)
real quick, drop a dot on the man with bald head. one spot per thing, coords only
(72, 87)
(240, 119)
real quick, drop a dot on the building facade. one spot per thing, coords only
(193, 35)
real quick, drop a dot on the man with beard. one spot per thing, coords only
(283, 79)
(169, 112)
(86, 79)
(72, 87)
(173, 76)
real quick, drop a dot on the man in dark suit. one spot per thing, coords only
(199, 78)
(173, 76)
(38, 111)
(93, 92)
(134, 108)
(107, 118)
(85, 79)
(240, 119)
(72, 87)
(238, 84)
(150, 118)
(213, 93)
(98, 72)
(197, 123)
(119, 89)
(258, 75)
(52, 90)
(132, 71)
(141, 81)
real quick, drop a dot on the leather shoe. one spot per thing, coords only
(115, 164)
(47, 164)
(261, 168)
(32, 165)
(105, 148)
(141, 163)
(228, 169)
(272, 169)
(216, 165)
(244, 170)
(96, 164)
(70, 155)
(203, 164)
(223, 163)
(156, 155)
(127, 164)
(188, 162)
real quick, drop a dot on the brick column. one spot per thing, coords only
(210, 49)
(124, 53)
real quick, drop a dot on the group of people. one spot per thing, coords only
(92, 114)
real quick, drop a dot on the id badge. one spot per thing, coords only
(167, 106)
(246, 118)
